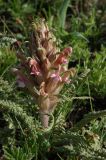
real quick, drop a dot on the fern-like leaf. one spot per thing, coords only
(16, 110)
(88, 118)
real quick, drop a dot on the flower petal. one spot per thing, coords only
(67, 51)
(56, 77)
(67, 74)
(63, 56)
(35, 68)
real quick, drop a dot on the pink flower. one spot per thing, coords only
(67, 74)
(67, 51)
(35, 68)
(62, 58)
(56, 77)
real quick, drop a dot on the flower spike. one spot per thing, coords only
(46, 70)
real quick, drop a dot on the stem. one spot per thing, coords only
(44, 119)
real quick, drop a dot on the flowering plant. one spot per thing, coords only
(45, 71)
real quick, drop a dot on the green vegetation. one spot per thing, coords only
(77, 129)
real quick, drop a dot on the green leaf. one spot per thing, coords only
(63, 12)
